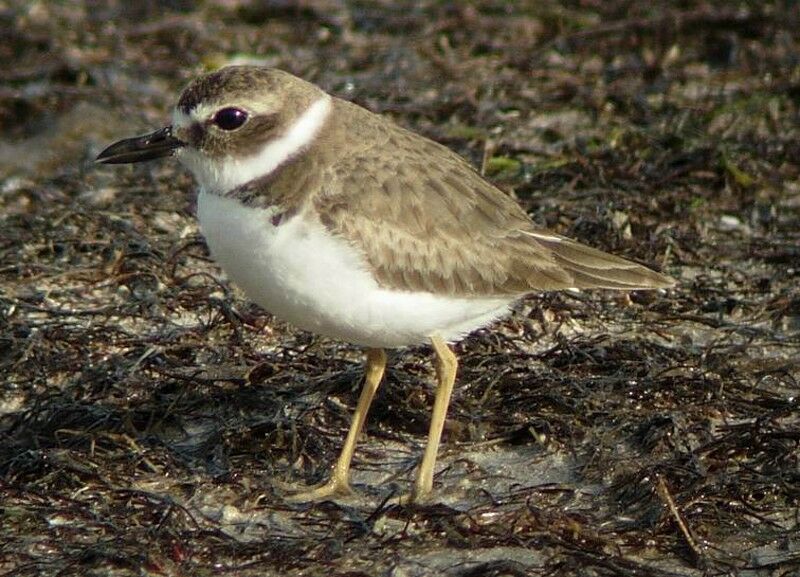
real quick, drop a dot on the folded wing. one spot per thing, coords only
(431, 223)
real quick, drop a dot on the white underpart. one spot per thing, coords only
(318, 282)
(217, 176)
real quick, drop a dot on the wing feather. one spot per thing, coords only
(427, 221)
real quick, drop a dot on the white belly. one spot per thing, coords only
(320, 283)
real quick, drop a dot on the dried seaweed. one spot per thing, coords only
(150, 416)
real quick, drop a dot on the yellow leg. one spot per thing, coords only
(340, 479)
(446, 366)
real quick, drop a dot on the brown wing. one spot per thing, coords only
(426, 221)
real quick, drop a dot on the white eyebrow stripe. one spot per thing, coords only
(201, 112)
(218, 176)
(180, 119)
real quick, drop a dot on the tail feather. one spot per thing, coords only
(592, 268)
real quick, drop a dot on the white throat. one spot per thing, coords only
(218, 176)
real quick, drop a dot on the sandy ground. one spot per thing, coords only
(151, 418)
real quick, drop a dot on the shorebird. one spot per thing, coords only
(342, 223)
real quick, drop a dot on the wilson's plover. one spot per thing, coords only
(345, 224)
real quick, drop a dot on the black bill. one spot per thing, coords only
(157, 144)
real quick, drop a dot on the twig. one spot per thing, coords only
(666, 497)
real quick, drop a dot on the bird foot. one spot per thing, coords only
(322, 492)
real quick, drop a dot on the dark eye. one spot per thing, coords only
(230, 118)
